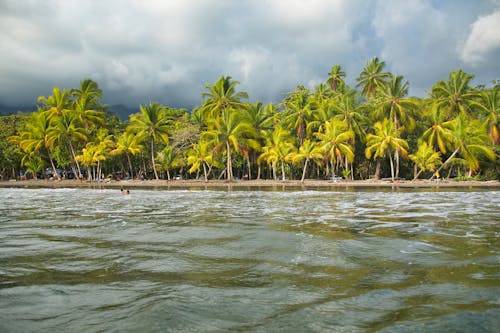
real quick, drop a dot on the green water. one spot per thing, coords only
(249, 261)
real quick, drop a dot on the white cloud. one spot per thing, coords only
(168, 50)
(483, 39)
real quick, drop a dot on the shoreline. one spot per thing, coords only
(251, 184)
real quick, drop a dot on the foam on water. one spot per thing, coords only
(201, 260)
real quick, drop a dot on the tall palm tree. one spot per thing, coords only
(372, 78)
(454, 95)
(335, 78)
(67, 129)
(347, 110)
(298, 112)
(471, 140)
(438, 135)
(489, 110)
(36, 137)
(226, 133)
(222, 97)
(200, 156)
(308, 151)
(88, 117)
(88, 93)
(279, 146)
(168, 158)
(393, 104)
(91, 157)
(151, 123)
(129, 144)
(336, 140)
(261, 117)
(383, 142)
(57, 102)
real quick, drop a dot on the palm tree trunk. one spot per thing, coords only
(377, 169)
(417, 174)
(74, 158)
(54, 170)
(396, 158)
(392, 167)
(304, 171)
(249, 168)
(130, 166)
(446, 162)
(283, 170)
(153, 157)
(258, 171)
(229, 163)
(205, 171)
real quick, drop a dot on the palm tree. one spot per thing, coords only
(221, 97)
(88, 93)
(336, 140)
(168, 158)
(91, 156)
(489, 110)
(335, 78)
(385, 140)
(455, 95)
(345, 109)
(129, 144)
(227, 132)
(33, 163)
(59, 100)
(279, 146)
(470, 139)
(372, 78)
(393, 104)
(88, 117)
(298, 112)
(426, 159)
(438, 135)
(36, 137)
(308, 151)
(200, 156)
(261, 118)
(151, 123)
(67, 129)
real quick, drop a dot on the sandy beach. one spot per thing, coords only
(252, 184)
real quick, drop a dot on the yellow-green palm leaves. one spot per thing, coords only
(384, 142)
(308, 151)
(337, 141)
(153, 123)
(227, 133)
(425, 158)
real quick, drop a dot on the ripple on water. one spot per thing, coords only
(248, 261)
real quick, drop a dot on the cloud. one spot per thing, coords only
(483, 40)
(141, 51)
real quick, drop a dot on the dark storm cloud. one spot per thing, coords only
(142, 51)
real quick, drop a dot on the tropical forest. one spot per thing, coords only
(371, 130)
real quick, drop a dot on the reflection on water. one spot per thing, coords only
(189, 261)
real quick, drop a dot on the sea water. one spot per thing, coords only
(86, 260)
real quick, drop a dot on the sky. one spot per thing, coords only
(142, 51)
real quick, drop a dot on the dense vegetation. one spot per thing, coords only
(335, 130)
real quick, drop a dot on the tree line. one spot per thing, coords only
(372, 130)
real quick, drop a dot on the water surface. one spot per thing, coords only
(249, 261)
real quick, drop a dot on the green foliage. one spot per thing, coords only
(329, 130)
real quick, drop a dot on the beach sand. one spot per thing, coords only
(252, 184)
